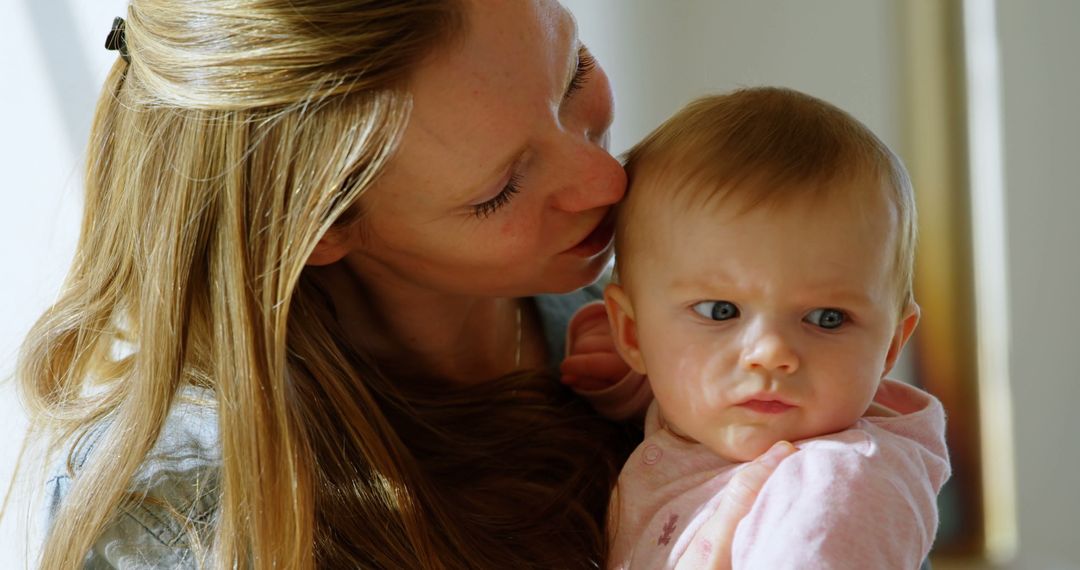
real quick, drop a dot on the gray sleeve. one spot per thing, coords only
(127, 543)
(178, 490)
(141, 536)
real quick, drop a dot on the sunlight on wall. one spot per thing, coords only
(991, 277)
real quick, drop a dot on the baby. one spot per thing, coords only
(764, 262)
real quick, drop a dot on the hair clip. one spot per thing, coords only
(117, 39)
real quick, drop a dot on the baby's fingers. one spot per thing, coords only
(602, 365)
(597, 341)
(745, 485)
(586, 383)
(711, 546)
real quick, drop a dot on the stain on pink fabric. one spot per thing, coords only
(669, 530)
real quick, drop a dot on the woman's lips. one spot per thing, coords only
(598, 239)
(766, 406)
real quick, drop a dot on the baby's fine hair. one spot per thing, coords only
(767, 147)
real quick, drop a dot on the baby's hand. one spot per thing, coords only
(711, 546)
(592, 361)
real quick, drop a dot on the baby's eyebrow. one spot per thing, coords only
(843, 297)
(820, 294)
(716, 280)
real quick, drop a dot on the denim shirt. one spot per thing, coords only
(182, 470)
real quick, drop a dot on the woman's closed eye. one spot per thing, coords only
(828, 319)
(585, 64)
(717, 310)
(489, 207)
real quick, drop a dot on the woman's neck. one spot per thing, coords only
(420, 332)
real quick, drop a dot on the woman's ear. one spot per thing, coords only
(904, 328)
(332, 247)
(623, 326)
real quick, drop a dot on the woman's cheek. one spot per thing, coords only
(514, 234)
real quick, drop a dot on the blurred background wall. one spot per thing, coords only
(1040, 42)
(659, 54)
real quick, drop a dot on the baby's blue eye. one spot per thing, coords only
(826, 318)
(717, 310)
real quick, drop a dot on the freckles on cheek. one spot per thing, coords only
(502, 239)
(507, 231)
(521, 229)
(511, 234)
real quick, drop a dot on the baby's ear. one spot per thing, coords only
(901, 335)
(620, 314)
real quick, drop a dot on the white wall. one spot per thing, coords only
(53, 62)
(1041, 82)
(662, 54)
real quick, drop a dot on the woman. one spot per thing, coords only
(309, 316)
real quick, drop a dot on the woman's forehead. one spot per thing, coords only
(477, 102)
(510, 52)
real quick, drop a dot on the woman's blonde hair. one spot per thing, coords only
(238, 134)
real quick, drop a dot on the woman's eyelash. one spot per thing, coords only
(491, 206)
(586, 63)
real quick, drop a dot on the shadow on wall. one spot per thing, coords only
(67, 68)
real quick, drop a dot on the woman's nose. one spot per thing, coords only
(589, 178)
(767, 350)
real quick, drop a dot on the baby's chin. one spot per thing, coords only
(744, 452)
(742, 443)
(742, 447)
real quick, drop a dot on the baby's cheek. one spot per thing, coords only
(695, 363)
